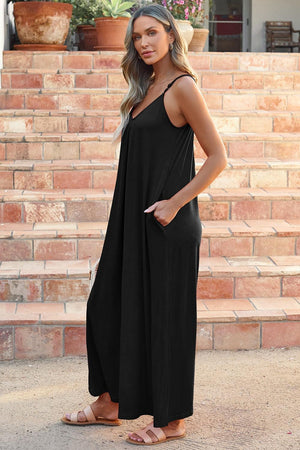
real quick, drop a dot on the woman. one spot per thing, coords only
(141, 313)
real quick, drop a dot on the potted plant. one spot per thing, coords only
(82, 22)
(112, 24)
(86, 37)
(200, 33)
(42, 25)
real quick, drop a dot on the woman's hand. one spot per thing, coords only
(164, 211)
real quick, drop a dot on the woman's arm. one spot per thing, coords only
(193, 110)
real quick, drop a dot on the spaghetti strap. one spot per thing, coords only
(172, 82)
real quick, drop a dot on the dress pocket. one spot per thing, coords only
(162, 227)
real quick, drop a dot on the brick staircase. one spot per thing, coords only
(57, 175)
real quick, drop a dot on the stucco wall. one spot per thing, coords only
(263, 10)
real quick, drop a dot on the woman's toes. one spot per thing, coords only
(135, 437)
(80, 416)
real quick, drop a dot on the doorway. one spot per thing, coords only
(229, 25)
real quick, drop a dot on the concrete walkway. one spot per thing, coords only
(243, 400)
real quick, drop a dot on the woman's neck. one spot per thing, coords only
(163, 70)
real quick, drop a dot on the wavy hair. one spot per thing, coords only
(140, 75)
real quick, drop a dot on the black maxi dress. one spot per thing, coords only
(141, 312)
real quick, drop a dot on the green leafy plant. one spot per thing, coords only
(116, 8)
(84, 12)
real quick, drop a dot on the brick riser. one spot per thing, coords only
(111, 80)
(81, 99)
(94, 205)
(46, 338)
(232, 277)
(60, 174)
(87, 147)
(85, 240)
(76, 148)
(262, 62)
(107, 122)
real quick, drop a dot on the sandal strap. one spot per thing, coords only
(142, 434)
(73, 417)
(158, 433)
(89, 414)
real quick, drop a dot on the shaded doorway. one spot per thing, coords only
(229, 25)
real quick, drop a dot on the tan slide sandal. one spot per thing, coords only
(158, 433)
(91, 419)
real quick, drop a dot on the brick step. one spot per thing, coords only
(260, 145)
(72, 241)
(40, 146)
(69, 146)
(43, 330)
(60, 100)
(77, 99)
(101, 174)
(112, 80)
(93, 205)
(108, 80)
(231, 61)
(97, 121)
(219, 277)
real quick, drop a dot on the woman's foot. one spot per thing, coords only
(102, 407)
(173, 429)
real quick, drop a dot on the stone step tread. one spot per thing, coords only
(210, 310)
(115, 113)
(251, 62)
(75, 137)
(108, 70)
(112, 164)
(71, 137)
(219, 266)
(73, 230)
(78, 91)
(57, 113)
(53, 71)
(119, 92)
(225, 194)
(57, 164)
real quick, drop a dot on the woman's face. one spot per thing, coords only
(150, 39)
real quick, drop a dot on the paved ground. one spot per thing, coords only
(243, 400)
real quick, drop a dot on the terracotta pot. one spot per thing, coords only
(199, 38)
(45, 23)
(87, 37)
(186, 29)
(111, 32)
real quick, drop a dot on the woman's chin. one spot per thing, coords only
(150, 60)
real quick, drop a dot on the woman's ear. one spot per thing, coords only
(171, 36)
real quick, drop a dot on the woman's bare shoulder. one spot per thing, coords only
(185, 85)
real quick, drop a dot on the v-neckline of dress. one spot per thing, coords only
(133, 118)
(161, 95)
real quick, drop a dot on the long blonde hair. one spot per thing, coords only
(140, 75)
